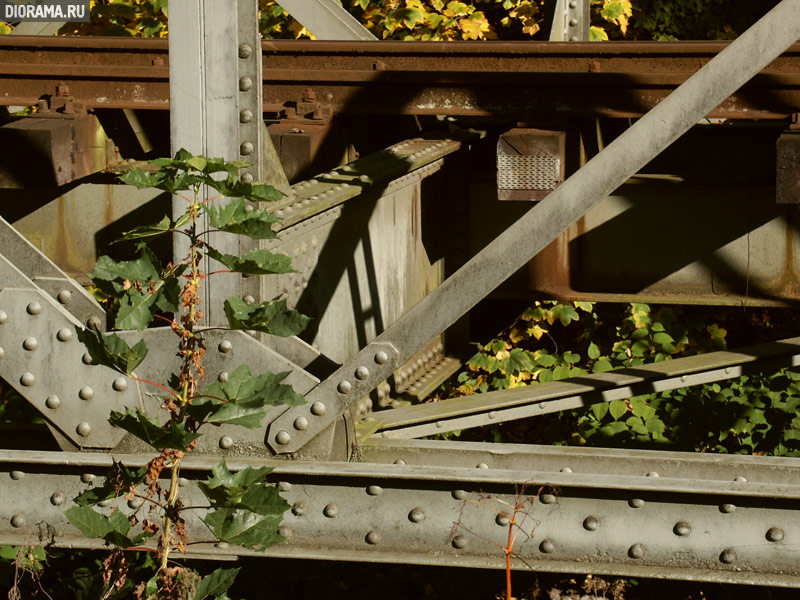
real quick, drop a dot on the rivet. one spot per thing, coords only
(774, 534)
(58, 498)
(727, 370)
(30, 344)
(285, 531)
(482, 466)
(683, 377)
(246, 148)
(740, 479)
(94, 323)
(417, 515)
(34, 308)
(381, 358)
(120, 384)
(318, 409)
(636, 551)
(653, 474)
(2, 353)
(86, 393)
(248, 299)
(565, 470)
(727, 508)
(362, 372)
(52, 402)
(439, 424)
(284, 486)
(87, 477)
(373, 537)
(727, 556)
(104, 503)
(27, 379)
(301, 423)
(3, 317)
(331, 511)
(18, 521)
(400, 461)
(573, 22)
(573, 4)
(344, 387)
(459, 494)
(182, 482)
(86, 358)
(223, 377)
(64, 335)
(492, 414)
(246, 116)
(245, 51)
(225, 442)
(374, 490)
(299, 509)
(225, 346)
(547, 546)
(135, 503)
(502, 520)
(460, 542)
(547, 498)
(283, 437)
(17, 475)
(591, 523)
(245, 83)
(247, 177)
(682, 529)
(83, 429)
(636, 503)
(64, 296)
(222, 545)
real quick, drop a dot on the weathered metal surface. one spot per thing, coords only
(787, 181)
(327, 20)
(521, 402)
(632, 150)
(531, 163)
(534, 79)
(570, 21)
(621, 521)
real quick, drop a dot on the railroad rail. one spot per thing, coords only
(529, 80)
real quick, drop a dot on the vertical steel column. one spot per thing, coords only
(570, 21)
(216, 108)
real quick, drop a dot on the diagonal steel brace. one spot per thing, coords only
(644, 140)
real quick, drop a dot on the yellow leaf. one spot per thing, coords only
(536, 332)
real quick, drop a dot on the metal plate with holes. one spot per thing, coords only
(628, 524)
(530, 163)
(43, 360)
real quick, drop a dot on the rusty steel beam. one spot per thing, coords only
(529, 80)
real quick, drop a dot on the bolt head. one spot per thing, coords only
(400, 461)
(344, 387)
(83, 429)
(636, 551)
(246, 116)
(374, 490)
(318, 409)
(87, 477)
(64, 296)
(362, 372)
(86, 393)
(682, 529)
(120, 384)
(565, 470)
(460, 542)
(381, 358)
(373, 537)
(245, 83)
(417, 515)
(459, 494)
(636, 503)
(301, 423)
(58, 498)
(331, 511)
(30, 344)
(18, 521)
(547, 546)
(502, 520)
(223, 377)
(94, 323)
(3, 317)
(740, 479)
(225, 346)
(775, 534)
(17, 475)
(64, 335)
(2, 353)
(86, 358)
(225, 442)
(248, 299)
(299, 509)
(247, 177)
(285, 532)
(27, 379)
(547, 498)
(482, 466)
(283, 437)
(34, 308)
(52, 402)
(135, 503)
(245, 51)
(653, 474)
(727, 556)
(727, 508)
(591, 523)
(246, 148)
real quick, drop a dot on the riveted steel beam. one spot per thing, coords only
(644, 140)
(518, 403)
(601, 522)
(570, 21)
(327, 20)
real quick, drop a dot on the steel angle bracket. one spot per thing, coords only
(41, 357)
(226, 350)
(598, 521)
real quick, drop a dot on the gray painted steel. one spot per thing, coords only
(570, 21)
(327, 20)
(622, 523)
(645, 139)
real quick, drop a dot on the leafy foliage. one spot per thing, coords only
(273, 317)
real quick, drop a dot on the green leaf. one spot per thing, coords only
(246, 528)
(112, 351)
(545, 360)
(599, 410)
(613, 428)
(617, 408)
(518, 360)
(593, 351)
(118, 478)
(565, 313)
(165, 225)
(571, 357)
(273, 317)
(215, 583)
(228, 489)
(113, 528)
(234, 217)
(255, 262)
(115, 277)
(148, 430)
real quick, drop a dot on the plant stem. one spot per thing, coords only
(172, 498)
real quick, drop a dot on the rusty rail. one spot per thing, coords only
(529, 80)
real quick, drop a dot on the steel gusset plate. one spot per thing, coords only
(726, 531)
(42, 358)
